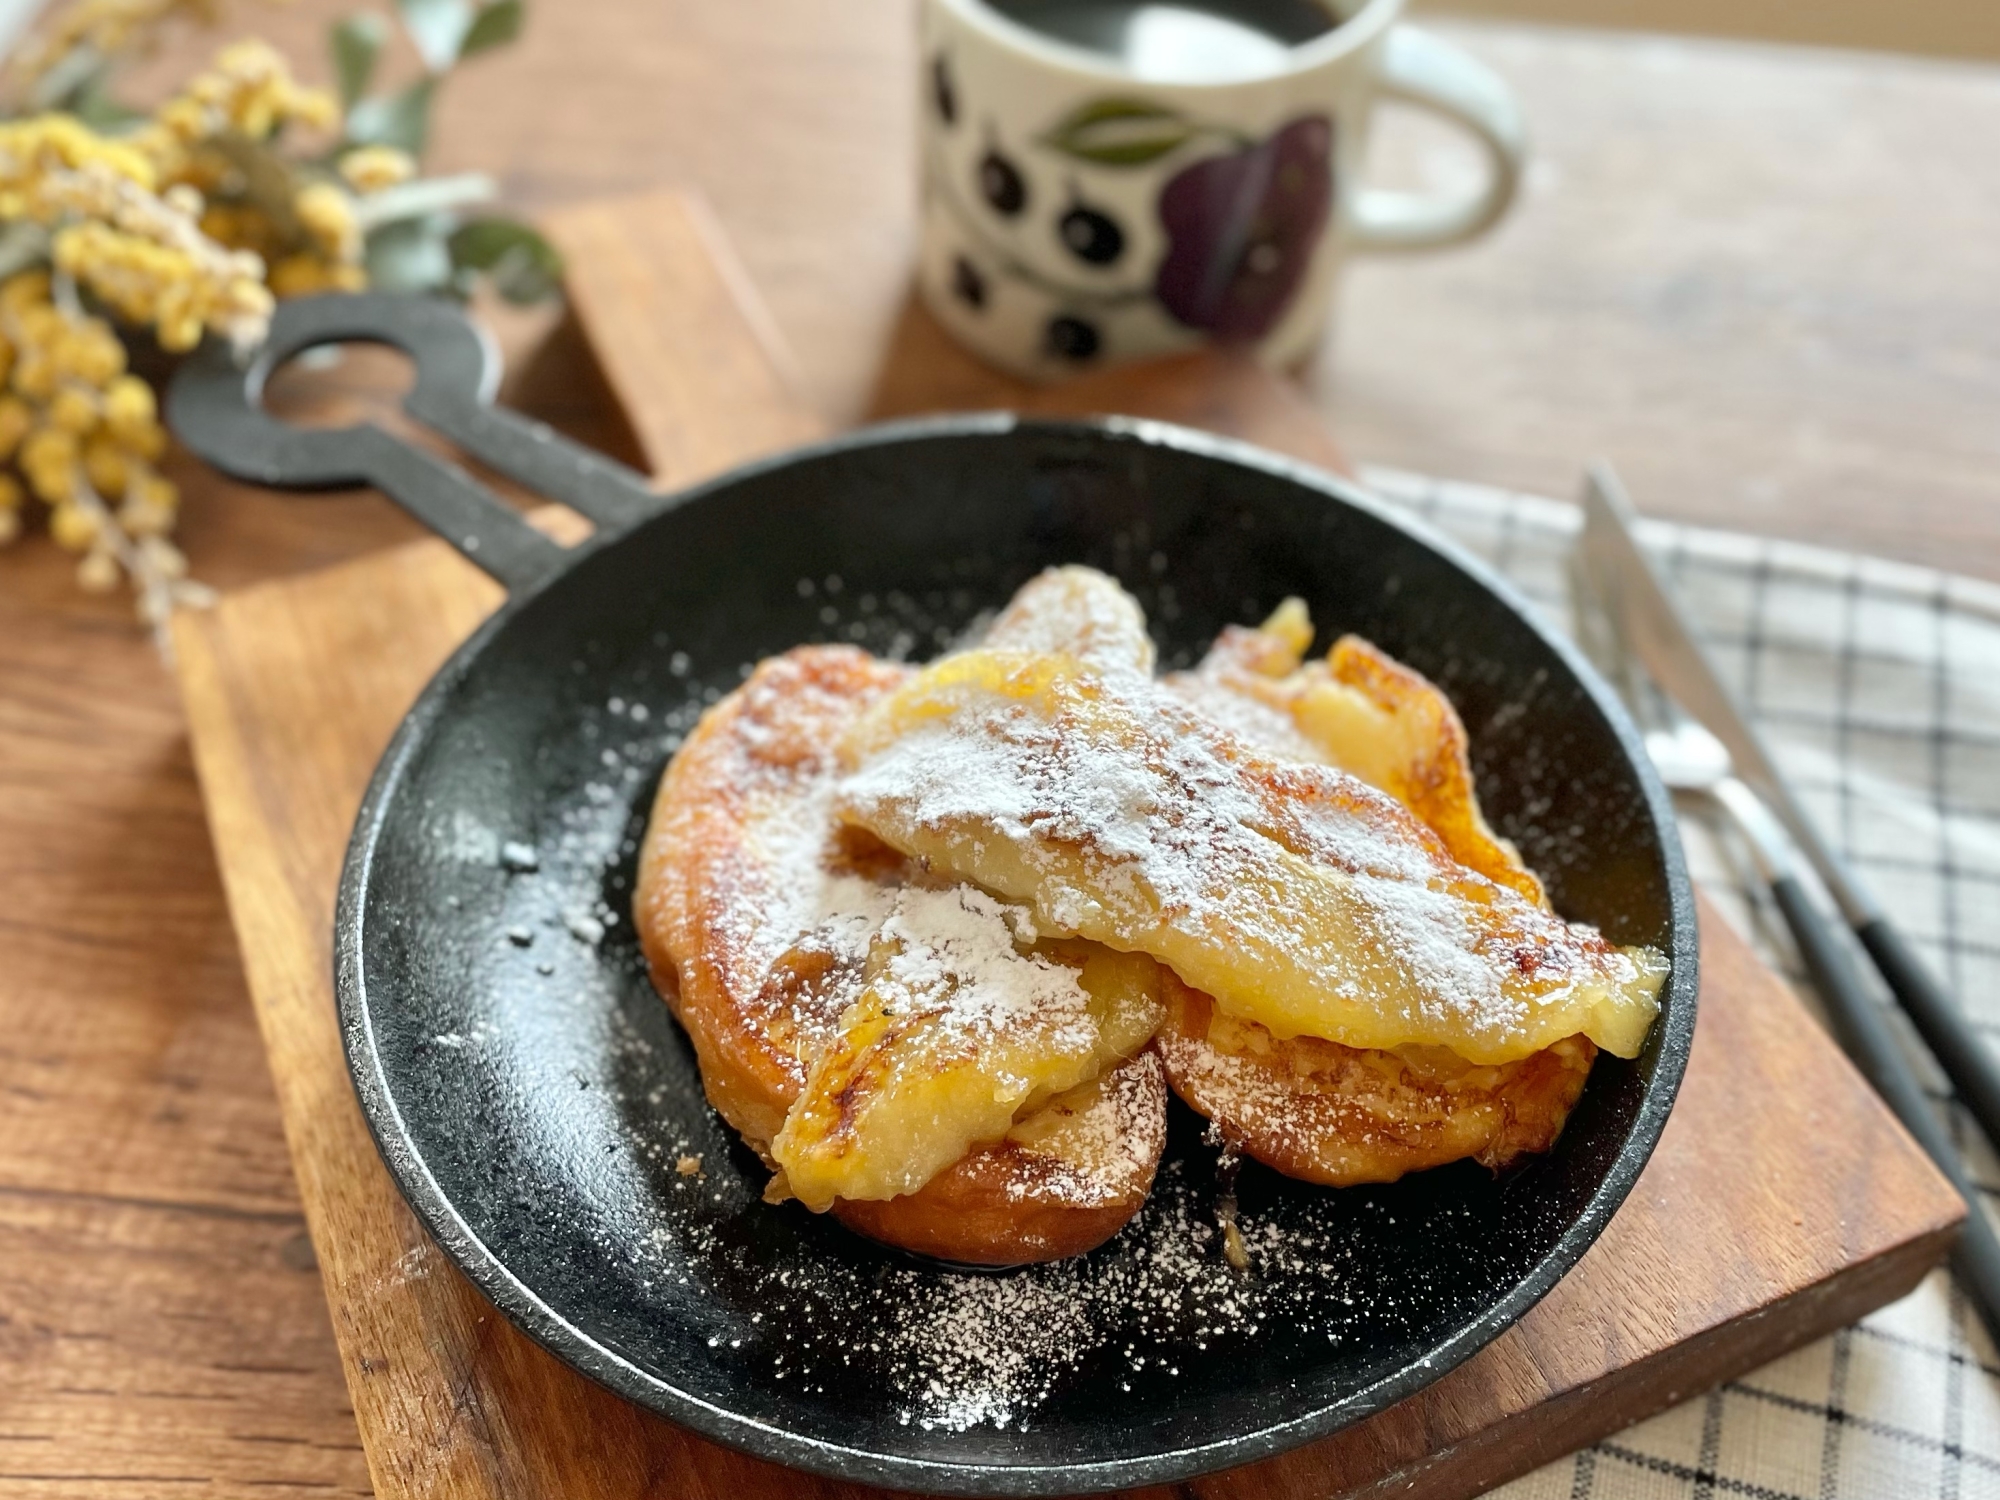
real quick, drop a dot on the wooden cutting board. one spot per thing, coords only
(1783, 1201)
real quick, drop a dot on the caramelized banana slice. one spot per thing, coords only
(964, 1027)
(728, 906)
(1315, 1109)
(1295, 895)
(1364, 712)
(1079, 612)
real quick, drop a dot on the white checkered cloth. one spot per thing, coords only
(1877, 686)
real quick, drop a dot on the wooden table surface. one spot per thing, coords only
(1761, 282)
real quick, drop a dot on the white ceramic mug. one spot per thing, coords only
(1075, 212)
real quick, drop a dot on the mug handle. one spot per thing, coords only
(1416, 67)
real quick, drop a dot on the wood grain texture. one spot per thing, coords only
(1782, 1202)
(162, 1323)
(677, 328)
(925, 371)
(675, 325)
(123, 1373)
(162, 1328)
(1939, 28)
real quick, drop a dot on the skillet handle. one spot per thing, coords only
(216, 407)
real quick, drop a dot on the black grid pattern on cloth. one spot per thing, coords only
(1877, 685)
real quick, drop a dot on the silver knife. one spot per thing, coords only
(1658, 632)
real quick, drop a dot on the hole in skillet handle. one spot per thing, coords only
(331, 386)
(216, 407)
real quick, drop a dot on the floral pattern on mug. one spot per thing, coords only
(1241, 226)
(1080, 206)
(1241, 230)
(1116, 132)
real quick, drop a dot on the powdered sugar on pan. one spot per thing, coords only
(978, 1350)
(953, 1351)
(794, 1302)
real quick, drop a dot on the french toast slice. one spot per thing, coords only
(1339, 1115)
(1314, 1108)
(759, 919)
(1311, 1108)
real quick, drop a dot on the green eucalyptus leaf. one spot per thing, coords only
(523, 266)
(73, 75)
(401, 119)
(1120, 133)
(94, 106)
(23, 243)
(426, 195)
(356, 41)
(269, 180)
(410, 255)
(479, 243)
(1092, 111)
(494, 26)
(437, 27)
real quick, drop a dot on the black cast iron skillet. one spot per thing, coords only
(534, 1099)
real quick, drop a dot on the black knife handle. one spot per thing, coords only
(1862, 1028)
(1967, 1058)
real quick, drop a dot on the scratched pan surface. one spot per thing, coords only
(535, 1101)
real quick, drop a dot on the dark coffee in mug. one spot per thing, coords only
(1217, 42)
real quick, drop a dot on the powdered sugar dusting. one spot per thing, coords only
(953, 950)
(1159, 1306)
(1168, 811)
(1250, 720)
(1090, 1155)
(1078, 612)
(817, 936)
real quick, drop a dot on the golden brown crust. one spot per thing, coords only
(1010, 1203)
(749, 1006)
(715, 879)
(1435, 782)
(1339, 1115)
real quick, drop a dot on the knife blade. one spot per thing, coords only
(1651, 620)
